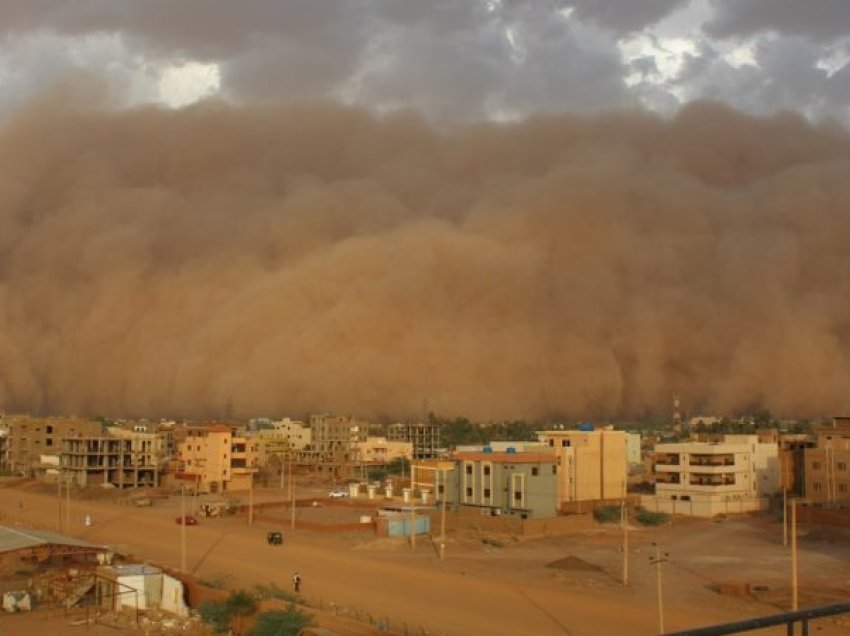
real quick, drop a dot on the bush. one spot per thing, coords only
(280, 623)
(607, 514)
(219, 614)
(263, 592)
(649, 518)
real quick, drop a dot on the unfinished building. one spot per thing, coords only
(425, 437)
(119, 462)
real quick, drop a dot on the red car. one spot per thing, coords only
(187, 520)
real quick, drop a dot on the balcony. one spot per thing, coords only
(712, 460)
(671, 459)
(703, 479)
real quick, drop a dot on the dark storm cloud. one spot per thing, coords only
(816, 19)
(621, 16)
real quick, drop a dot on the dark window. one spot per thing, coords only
(842, 466)
(469, 469)
(816, 485)
(50, 430)
(842, 487)
(815, 465)
(518, 495)
(441, 489)
(486, 470)
(534, 471)
(469, 492)
(554, 469)
(551, 442)
(486, 493)
(49, 441)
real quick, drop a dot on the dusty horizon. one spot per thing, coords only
(320, 258)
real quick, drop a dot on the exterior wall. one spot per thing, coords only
(593, 463)
(217, 460)
(503, 483)
(827, 474)
(633, 455)
(29, 438)
(704, 479)
(379, 450)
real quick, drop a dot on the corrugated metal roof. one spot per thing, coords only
(17, 539)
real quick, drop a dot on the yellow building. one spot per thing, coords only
(380, 450)
(215, 459)
(594, 464)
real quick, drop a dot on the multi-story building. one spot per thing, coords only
(424, 436)
(708, 478)
(593, 464)
(122, 462)
(215, 458)
(827, 465)
(30, 439)
(4, 448)
(523, 484)
(380, 450)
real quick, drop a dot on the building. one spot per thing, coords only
(215, 459)
(333, 444)
(523, 484)
(704, 479)
(30, 439)
(380, 450)
(827, 465)
(593, 465)
(424, 436)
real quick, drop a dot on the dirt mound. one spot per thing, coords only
(573, 564)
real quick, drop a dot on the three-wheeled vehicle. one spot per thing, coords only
(274, 538)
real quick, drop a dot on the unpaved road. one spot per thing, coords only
(476, 590)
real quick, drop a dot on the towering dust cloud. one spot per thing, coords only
(315, 257)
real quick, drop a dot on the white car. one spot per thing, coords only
(338, 493)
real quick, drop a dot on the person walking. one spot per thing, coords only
(296, 581)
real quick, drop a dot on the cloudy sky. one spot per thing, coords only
(454, 59)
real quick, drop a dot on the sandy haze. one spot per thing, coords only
(315, 257)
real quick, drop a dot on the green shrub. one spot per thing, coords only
(217, 615)
(607, 514)
(649, 518)
(264, 592)
(280, 623)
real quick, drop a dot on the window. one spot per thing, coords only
(486, 470)
(565, 443)
(517, 495)
(441, 489)
(842, 487)
(469, 469)
(551, 442)
(469, 491)
(815, 465)
(816, 486)
(486, 493)
(534, 471)
(49, 441)
(554, 469)
(842, 465)
(50, 430)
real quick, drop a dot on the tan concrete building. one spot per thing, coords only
(704, 479)
(424, 436)
(216, 459)
(827, 465)
(380, 450)
(593, 464)
(31, 438)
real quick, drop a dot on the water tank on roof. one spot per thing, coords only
(488, 449)
(585, 426)
(510, 449)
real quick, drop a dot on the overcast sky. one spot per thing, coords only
(455, 59)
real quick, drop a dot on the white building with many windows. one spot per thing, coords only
(704, 479)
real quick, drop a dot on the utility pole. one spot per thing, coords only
(68, 503)
(182, 528)
(624, 520)
(59, 500)
(251, 500)
(784, 517)
(793, 554)
(412, 510)
(657, 560)
(443, 519)
(291, 494)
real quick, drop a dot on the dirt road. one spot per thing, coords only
(476, 590)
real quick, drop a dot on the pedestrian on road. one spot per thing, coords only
(296, 581)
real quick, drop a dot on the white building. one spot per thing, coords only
(292, 433)
(704, 479)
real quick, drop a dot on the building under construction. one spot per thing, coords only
(425, 437)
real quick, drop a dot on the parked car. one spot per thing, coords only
(338, 493)
(186, 520)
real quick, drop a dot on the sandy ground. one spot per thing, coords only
(480, 589)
